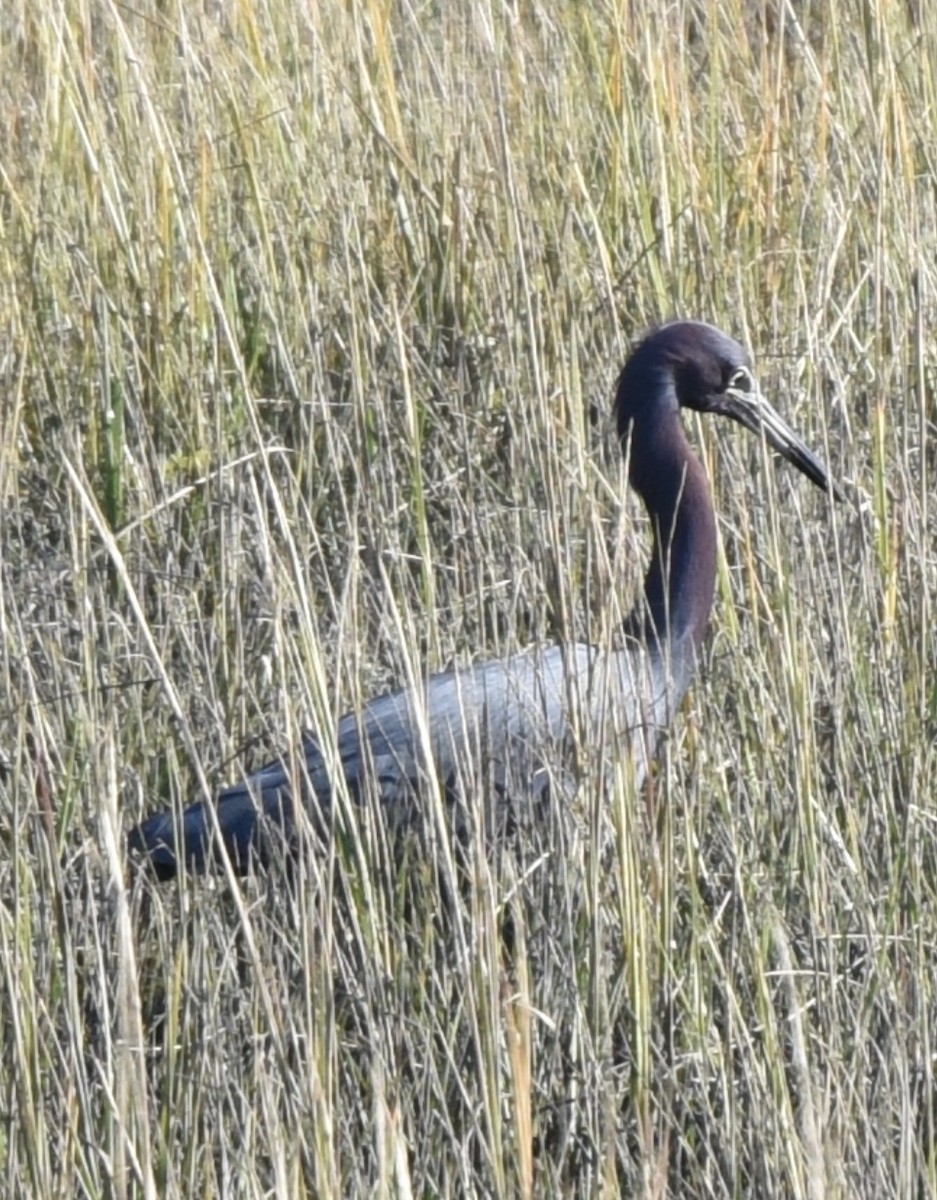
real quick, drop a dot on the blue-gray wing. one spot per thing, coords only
(507, 728)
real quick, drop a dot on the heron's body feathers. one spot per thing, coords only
(510, 726)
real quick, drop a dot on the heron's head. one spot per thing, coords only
(689, 364)
(683, 365)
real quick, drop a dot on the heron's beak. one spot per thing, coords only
(753, 411)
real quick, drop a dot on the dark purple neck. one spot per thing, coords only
(681, 577)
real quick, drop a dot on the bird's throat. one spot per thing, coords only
(681, 576)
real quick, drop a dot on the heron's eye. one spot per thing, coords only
(741, 381)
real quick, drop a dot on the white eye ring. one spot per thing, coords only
(742, 380)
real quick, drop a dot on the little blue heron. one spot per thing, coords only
(519, 714)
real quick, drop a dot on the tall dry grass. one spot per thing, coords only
(310, 316)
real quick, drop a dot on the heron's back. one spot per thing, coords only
(515, 729)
